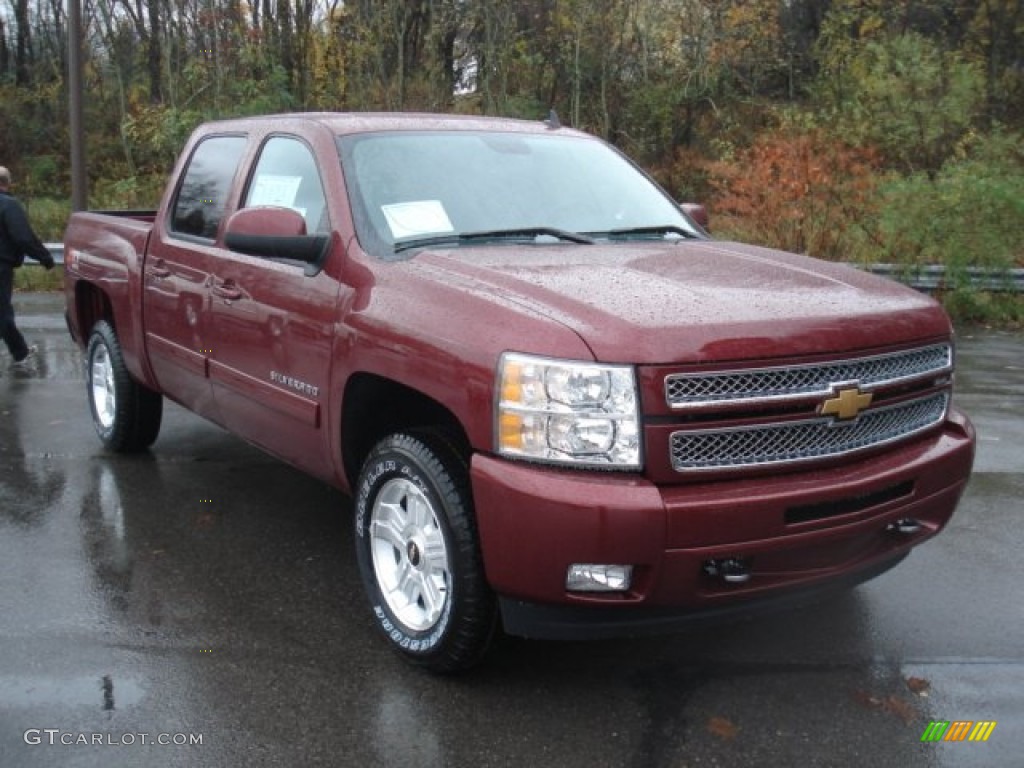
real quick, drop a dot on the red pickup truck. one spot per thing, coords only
(561, 408)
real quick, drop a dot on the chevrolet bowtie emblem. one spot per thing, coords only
(846, 404)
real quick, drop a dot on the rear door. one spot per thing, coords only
(178, 275)
(271, 326)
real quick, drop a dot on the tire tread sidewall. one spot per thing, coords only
(138, 410)
(464, 630)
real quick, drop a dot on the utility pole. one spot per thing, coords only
(79, 189)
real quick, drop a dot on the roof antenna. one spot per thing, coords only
(553, 123)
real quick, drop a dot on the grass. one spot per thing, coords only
(48, 218)
(32, 277)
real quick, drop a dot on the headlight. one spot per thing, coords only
(568, 412)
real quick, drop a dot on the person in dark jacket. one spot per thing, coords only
(17, 240)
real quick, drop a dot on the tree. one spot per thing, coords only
(23, 49)
(904, 95)
(995, 37)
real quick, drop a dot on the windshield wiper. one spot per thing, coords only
(525, 233)
(660, 231)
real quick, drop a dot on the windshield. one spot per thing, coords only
(494, 187)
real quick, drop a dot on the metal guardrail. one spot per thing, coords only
(56, 250)
(932, 277)
(923, 278)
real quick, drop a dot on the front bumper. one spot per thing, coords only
(797, 532)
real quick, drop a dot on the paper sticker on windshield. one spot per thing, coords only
(269, 189)
(423, 217)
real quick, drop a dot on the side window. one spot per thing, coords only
(286, 175)
(205, 187)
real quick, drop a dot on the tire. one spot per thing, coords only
(418, 552)
(126, 414)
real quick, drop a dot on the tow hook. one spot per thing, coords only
(905, 526)
(732, 570)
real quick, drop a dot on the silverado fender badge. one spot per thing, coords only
(299, 386)
(846, 404)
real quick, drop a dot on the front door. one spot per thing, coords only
(271, 326)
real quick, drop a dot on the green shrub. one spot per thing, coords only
(48, 217)
(969, 215)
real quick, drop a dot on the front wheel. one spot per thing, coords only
(126, 414)
(418, 553)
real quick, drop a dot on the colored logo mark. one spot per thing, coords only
(847, 404)
(958, 730)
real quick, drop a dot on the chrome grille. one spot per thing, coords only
(697, 390)
(804, 440)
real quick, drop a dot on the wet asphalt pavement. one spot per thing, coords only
(206, 592)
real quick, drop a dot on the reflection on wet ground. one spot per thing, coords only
(18, 691)
(205, 588)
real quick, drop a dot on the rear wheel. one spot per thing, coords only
(418, 552)
(126, 414)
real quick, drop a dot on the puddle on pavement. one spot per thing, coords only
(105, 692)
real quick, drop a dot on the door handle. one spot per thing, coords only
(226, 290)
(159, 270)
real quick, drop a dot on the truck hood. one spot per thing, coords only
(696, 301)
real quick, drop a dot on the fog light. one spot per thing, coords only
(590, 577)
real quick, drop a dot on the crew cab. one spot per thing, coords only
(561, 408)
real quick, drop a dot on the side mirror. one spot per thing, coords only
(698, 213)
(276, 233)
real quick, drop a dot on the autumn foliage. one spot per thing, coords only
(801, 192)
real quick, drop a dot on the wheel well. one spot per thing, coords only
(375, 407)
(92, 305)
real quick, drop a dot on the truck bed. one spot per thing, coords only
(106, 249)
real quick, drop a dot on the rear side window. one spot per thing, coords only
(204, 190)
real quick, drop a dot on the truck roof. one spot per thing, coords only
(341, 123)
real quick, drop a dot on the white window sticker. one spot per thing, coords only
(275, 190)
(422, 217)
